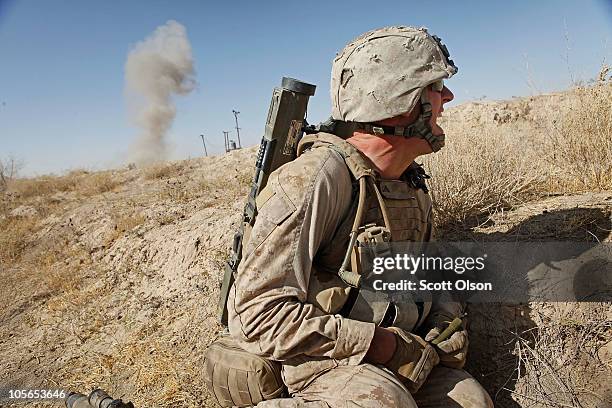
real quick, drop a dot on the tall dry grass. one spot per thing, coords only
(15, 236)
(479, 172)
(578, 147)
(163, 170)
(565, 360)
(81, 182)
(490, 164)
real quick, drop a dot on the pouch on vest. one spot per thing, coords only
(373, 236)
(398, 310)
(238, 378)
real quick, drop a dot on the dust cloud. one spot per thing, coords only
(156, 69)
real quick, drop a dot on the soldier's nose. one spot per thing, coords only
(447, 95)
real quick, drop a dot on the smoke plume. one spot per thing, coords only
(156, 69)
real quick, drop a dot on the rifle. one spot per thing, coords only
(285, 126)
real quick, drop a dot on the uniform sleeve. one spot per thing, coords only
(268, 310)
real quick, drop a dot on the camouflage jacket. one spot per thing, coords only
(286, 299)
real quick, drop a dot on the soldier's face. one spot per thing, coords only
(437, 100)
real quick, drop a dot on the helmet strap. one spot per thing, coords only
(420, 128)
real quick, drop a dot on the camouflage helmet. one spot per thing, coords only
(382, 73)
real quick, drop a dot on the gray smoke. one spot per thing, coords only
(156, 69)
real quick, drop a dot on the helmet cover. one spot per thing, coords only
(382, 73)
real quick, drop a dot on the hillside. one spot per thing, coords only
(111, 278)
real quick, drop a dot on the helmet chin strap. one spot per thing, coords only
(420, 128)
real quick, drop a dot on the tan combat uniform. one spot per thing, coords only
(286, 300)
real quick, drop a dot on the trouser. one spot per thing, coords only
(366, 385)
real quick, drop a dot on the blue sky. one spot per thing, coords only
(62, 63)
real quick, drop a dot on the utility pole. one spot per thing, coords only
(204, 143)
(235, 112)
(226, 140)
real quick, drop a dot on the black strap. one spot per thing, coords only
(405, 131)
(420, 128)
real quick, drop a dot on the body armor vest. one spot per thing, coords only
(394, 211)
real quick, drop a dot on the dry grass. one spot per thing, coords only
(97, 183)
(123, 224)
(213, 188)
(512, 156)
(177, 192)
(15, 237)
(78, 181)
(158, 367)
(58, 275)
(479, 172)
(543, 354)
(162, 170)
(578, 148)
(41, 186)
(565, 341)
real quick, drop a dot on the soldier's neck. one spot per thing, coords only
(390, 154)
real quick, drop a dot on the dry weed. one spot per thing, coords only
(15, 236)
(123, 224)
(481, 170)
(41, 186)
(177, 192)
(155, 365)
(97, 183)
(215, 188)
(79, 181)
(512, 157)
(579, 147)
(163, 170)
(552, 356)
(167, 218)
(57, 274)
(229, 185)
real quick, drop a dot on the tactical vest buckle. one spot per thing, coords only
(374, 234)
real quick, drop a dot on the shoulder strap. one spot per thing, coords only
(363, 171)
